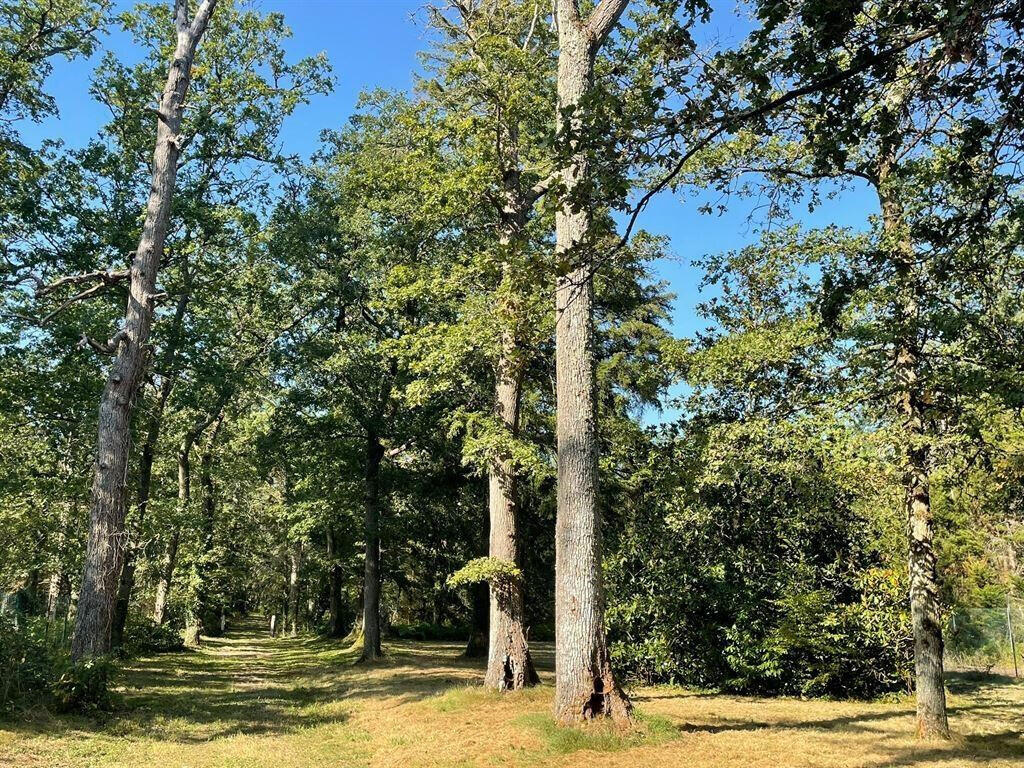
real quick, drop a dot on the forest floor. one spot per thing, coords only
(246, 700)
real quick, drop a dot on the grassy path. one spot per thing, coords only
(247, 701)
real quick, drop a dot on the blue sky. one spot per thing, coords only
(374, 43)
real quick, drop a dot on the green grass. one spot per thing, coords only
(249, 701)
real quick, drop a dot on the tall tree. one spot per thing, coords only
(585, 687)
(101, 574)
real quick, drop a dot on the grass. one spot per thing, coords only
(247, 701)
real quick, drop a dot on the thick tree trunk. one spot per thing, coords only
(585, 687)
(127, 583)
(371, 575)
(334, 588)
(509, 664)
(293, 587)
(101, 573)
(924, 583)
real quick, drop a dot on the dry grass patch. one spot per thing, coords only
(248, 701)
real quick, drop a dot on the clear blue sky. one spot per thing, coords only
(374, 43)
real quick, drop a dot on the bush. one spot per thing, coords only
(427, 631)
(143, 636)
(84, 687)
(36, 670)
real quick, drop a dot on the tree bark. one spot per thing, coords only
(293, 587)
(509, 664)
(371, 574)
(929, 675)
(146, 459)
(334, 588)
(101, 572)
(585, 687)
(199, 620)
(163, 586)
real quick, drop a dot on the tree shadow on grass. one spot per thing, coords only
(247, 683)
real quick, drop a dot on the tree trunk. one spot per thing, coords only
(371, 575)
(201, 609)
(293, 587)
(924, 583)
(509, 664)
(163, 586)
(477, 644)
(334, 588)
(101, 573)
(585, 687)
(127, 583)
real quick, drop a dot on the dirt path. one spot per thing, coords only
(249, 701)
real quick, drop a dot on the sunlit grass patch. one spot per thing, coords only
(599, 736)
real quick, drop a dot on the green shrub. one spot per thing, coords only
(143, 636)
(427, 631)
(36, 670)
(84, 687)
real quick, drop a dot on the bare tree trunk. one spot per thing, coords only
(585, 687)
(334, 588)
(509, 664)
(127, 583)
(371, 575)
(199, 621)
(163, 586)
(293, 587)
(925, 612)
(101, 573)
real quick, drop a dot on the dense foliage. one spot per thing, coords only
(319, 398)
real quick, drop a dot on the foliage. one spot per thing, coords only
(493, 570)
(36, 670)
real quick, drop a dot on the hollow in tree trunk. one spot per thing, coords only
(509, 664)
(102, 569)
(585, 687)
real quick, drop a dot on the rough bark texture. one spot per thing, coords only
(925, 614)
(584, 685)
(371, 575)
(101, 573)
(127, 583)
(293, 587)
(509, 664)
(334, 587)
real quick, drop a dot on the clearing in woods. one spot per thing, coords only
(249, 700)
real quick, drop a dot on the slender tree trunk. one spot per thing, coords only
(163, 586)
(372, 576)
(293, 587)
(127, 582)
(101, 573)
(509, 664)
(200, 618)
(585, 687)
(924, 582)
(334, 588)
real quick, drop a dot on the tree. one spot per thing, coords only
(101, 574)
(585, 687)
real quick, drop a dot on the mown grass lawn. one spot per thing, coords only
(249, 700)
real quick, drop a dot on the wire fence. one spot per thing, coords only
(987, 639)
